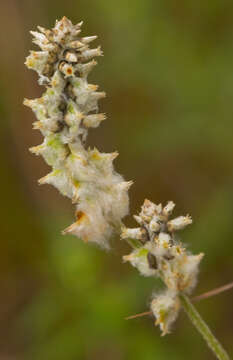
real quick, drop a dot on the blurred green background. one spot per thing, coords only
(168, 74)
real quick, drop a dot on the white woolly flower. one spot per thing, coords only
(179, 223)
(143, 260)
(187, 266)
(164, 240)
(131, 233)
(160, 254)
(165, 308)
(155, 225)
(65, 113)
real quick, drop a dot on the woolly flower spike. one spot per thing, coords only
(65, 112)
(159, 253)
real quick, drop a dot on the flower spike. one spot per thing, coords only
(65, 112)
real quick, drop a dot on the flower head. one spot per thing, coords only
(65, 112)
(160, 253)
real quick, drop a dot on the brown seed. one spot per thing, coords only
(144, 235)
(152, 261)
(168, 257)
(60, 126)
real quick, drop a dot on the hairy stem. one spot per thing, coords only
(203, 328)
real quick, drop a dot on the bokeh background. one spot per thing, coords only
(168, 74)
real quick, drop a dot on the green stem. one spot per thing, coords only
(204, 330)
(135, 244)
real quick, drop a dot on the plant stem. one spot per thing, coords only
(203, 328)
(135, 244)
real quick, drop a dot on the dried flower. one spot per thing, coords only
(65, 112)
(161, 254)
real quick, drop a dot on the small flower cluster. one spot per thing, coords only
(159, 253)
(65, 112)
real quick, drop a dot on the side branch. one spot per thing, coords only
(213, 292)
(203, 296)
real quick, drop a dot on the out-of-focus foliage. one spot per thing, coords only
(168, 74)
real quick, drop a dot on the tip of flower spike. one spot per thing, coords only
(100, 51)
(64, 19)
(167, 210)
(96, 155)
(93, 87)
(64, 22)
(74, 228)
(149, 205)
(80, 24)
(91, 53)
(125, 185)
(127, 258)
(37, 125)
(136, 233)
(42, 29)
(39, 37)
(27, 102)
(123, 229)
(88, 39)
(138, 219)
(94, 120)
(124, 233)
(179, 223)
(44, 179)
(75, 44)
(86, 68)
(36, 149)
(114, 155)
(98, 95)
